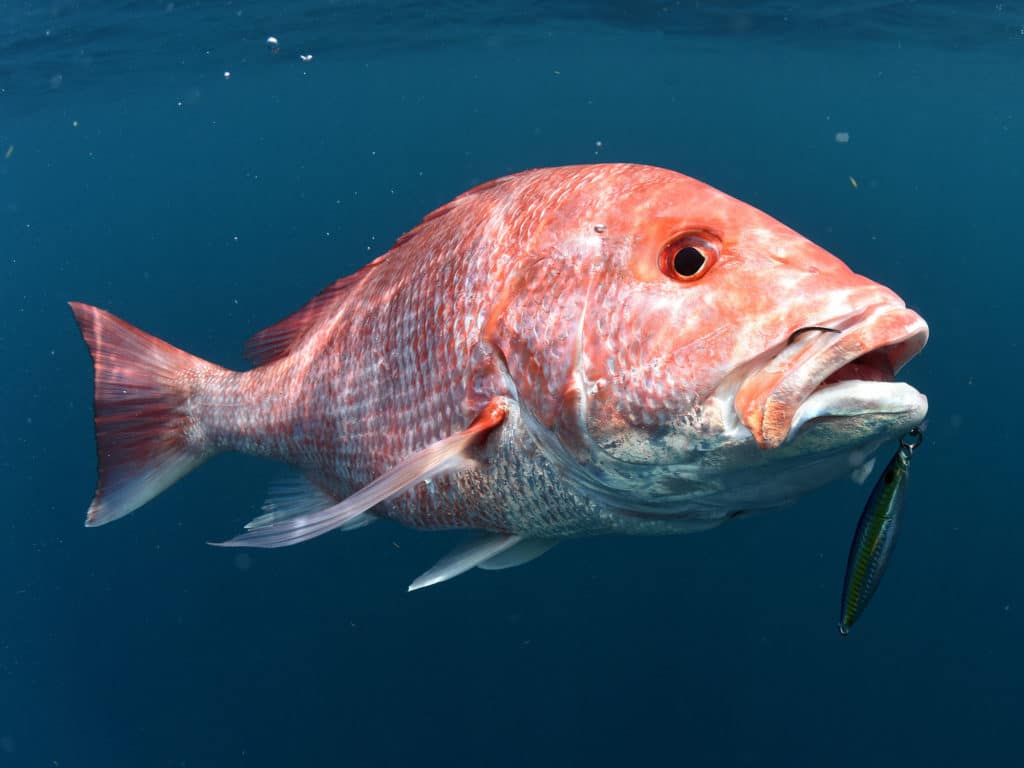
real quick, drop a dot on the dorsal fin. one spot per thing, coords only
(447, 208)
(282, 337)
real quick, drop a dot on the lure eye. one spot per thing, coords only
(688, 258)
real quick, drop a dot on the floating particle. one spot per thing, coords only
(853, 181)
(842, 137)
(9, 152)
(74, 123)
(306, 56)
(227, 75)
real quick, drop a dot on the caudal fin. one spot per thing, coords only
(142, 390)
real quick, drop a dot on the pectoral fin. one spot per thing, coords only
(861, 473)
(452, 454)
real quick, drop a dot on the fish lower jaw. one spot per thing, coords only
(894, 405)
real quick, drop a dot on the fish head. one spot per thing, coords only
(687, 354)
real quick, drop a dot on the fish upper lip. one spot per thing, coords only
(768, 399)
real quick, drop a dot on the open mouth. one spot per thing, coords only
(824, 373)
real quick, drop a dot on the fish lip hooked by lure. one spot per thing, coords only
(834, 368)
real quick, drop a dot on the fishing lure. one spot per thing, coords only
(876, 532)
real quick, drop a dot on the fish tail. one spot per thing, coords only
(146, 438)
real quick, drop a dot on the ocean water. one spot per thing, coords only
(135, 174)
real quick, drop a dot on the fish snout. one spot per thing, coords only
(846, 365)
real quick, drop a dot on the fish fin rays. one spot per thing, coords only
(861, 473)
(469, 554)
(141, 395)
(521, 553)
(450, 454)
(297, 496)
(489, 552)
(281, 338)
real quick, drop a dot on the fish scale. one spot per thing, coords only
(345, 446)
(530, 363)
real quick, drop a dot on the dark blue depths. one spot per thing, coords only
(203, 208)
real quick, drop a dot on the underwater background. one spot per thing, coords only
(135, 174)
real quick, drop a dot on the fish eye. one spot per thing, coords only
(688, 257)
(688, 261)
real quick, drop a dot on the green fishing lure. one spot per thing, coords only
(875, 536)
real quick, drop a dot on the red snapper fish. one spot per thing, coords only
(561, 352)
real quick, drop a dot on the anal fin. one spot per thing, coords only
(297, 496)
(450, 454)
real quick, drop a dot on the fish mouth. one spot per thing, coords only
(840, 368)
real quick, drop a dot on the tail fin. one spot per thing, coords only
(142, 388)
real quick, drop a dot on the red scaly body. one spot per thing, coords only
(623, 395)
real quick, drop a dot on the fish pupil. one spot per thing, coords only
(688, 261)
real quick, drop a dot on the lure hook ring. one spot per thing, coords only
(912, 439)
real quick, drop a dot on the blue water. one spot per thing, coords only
(203, 208)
